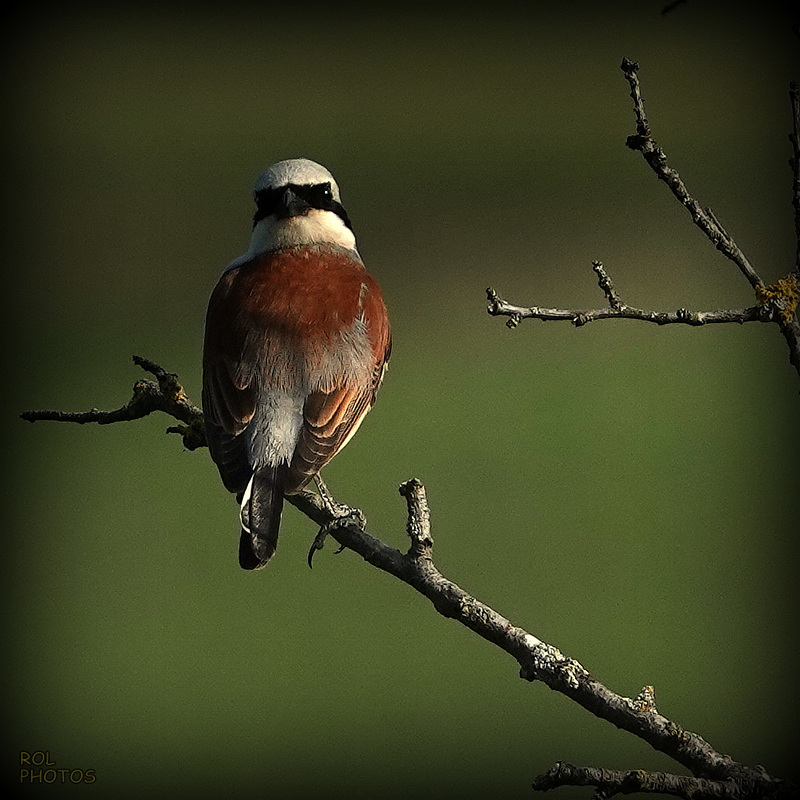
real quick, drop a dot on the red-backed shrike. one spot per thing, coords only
(297, 341)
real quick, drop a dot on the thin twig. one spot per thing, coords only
(617, 309)
(655, 157)
(498, 307)
(605, 283)
(419, 519)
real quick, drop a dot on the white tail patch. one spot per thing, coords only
(244, 511)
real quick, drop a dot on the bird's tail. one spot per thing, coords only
(262, 503)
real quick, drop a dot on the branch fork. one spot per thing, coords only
(776, 303)
(164, 394)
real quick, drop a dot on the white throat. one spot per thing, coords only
(315, 227)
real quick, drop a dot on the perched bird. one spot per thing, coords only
(297, 342)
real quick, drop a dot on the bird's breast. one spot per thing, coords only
(300, 315)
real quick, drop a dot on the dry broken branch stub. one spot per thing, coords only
(605, 283)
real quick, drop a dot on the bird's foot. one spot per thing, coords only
(338, 511)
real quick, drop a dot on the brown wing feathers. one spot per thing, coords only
(329, 420)
(275, 310)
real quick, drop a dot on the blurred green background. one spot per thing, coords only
(627, 493)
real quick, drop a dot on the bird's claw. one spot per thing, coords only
(340, 512)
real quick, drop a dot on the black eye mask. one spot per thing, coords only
(294, 199)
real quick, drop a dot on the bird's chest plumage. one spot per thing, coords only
(291, 324)
(299, 320)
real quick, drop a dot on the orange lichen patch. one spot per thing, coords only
(784, 295)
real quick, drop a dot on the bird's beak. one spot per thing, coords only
(291, 205)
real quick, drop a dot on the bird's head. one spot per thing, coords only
(298, 203)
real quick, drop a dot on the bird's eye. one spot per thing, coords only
(319, 195)
(266, 201)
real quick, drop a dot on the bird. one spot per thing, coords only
(297, 342)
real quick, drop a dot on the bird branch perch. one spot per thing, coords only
(713, 775)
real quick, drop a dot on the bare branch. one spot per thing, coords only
(706, 220)
(655, 157)
(498, 307)
(538, 661)
(165, 395)
(604, 282)
(777, 302)
(578, 317)
(611, 782)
